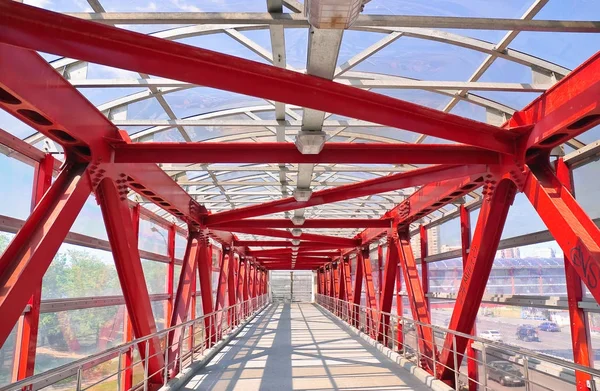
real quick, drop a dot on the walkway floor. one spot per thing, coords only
(300, 347)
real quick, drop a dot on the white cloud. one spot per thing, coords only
(38, 3)
(151, 7)
(184, 6)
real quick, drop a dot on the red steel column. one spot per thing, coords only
(424, 267)
(336, 286)
(379, 271)
(399, 305)
(348, 283)
(241, 274)
(476, 273)
(580, 333)
(357, 291)
(29, 254)
(127, 379)
(183, 299)
(231, 289)
(121, 235)
(251, 288)
(222, 288)
(389, 279)
(171, 270)
(205, 279)
(416, 296)
(327, 280)
(465, 234)
(27, 331)
(369, 293)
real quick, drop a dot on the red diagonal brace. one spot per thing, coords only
(357, 291)
(580, 337)
(465, 235)
(416, 296)
(121, 235)
(369, 187)
(183, 298)
(476, 272)
(232, 289)
(568, 223)
(107, 45)
(31, 251)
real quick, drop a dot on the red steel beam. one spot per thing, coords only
(29, 254)
(580, 333)
(369, 187)
(567, 109)
(309, 223)
(416, 295)
(121, 235)
(124, 49)
(273, 152)
(288, 251)
(334, 240)
(465, 236)
(284, 243)
(476, 273)
(183, 299)
(425, 200)
(27, 331)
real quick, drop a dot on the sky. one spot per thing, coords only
(407, 57)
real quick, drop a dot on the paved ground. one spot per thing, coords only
(299, 347)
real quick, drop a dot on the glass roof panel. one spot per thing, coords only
(474, 8)
(423, 60)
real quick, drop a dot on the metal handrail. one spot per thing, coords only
(242, 310)
(344, 310)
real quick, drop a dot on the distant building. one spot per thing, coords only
(433, 242)
(445, 248)
(511, 253)
(544, 253)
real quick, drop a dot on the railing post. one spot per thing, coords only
(526, 373)
(78, 387)
(146, 365)
(457, 368)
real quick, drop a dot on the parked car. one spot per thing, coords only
(527, 333)
(549, 326)
(492, 335)
(505, 373)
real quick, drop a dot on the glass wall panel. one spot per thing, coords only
(537, 269)
(7, 354)
(180, 244)
(159, 309)
(449, 236)
(18, 177)
(71, 335)
(587, 188)
(89, 221)
(78, 271)
(445, 276)
(153, 237)
(156, 276)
